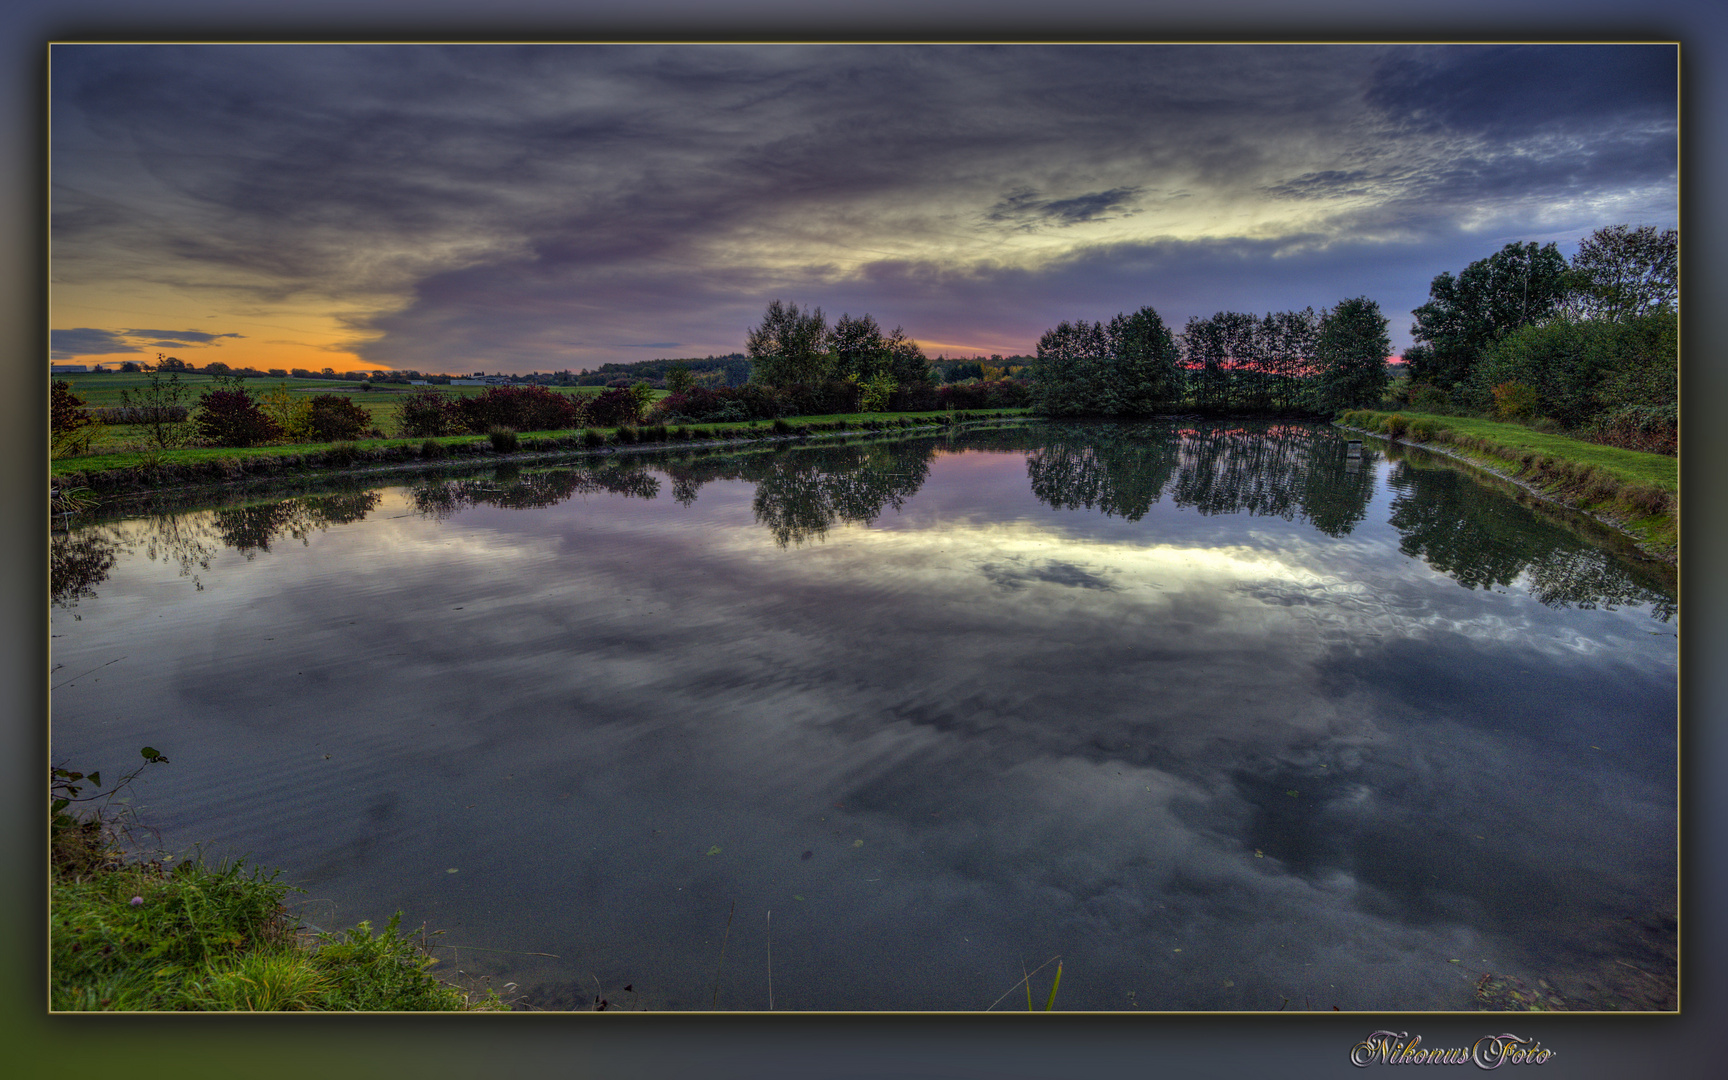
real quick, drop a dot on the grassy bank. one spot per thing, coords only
(1637, 492)
(134, 469)
(131, 934)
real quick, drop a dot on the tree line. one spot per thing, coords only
(1233, 362)
(1589, 346)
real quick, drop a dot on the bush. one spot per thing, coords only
(1397, 424)
(292, 412)
(503, 439)
(1423, 430)
(334, 418)
(1653, 429)
(996, 394)
(821, 398)
(428, 413)
(626, 434)
(617, 407)
(71, 427)
(232, 418)
(523, 408)
(913, 397)
(433, 449)
(1429, 399)
(1514, 401)
(592, 437)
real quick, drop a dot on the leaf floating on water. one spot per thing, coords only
(795, 896)
(715, 850)
(1454, 961)
(452, 870)
(857, 843)
(1292, 793)
(1258, 854)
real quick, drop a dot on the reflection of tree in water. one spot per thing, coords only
(801, 493)
(78, 562)
(441, 498)
(81, 560)
(250, 529)
(1283, 470)
(1120, 471)
(1482, 539)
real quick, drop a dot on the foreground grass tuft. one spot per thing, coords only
(133, 935)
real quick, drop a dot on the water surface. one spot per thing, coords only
(1223, 718)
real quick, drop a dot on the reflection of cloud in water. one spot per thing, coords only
(1016, 574)
(1181, 766)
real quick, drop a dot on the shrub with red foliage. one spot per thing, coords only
(232, 418)
(614, 408)
(334, 418)
(428, 414)
(701, 403)
(524, 408)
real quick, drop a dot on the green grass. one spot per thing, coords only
(131, 936)
(133, 451)
(1635, 490)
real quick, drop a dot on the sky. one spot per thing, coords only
(457, 208)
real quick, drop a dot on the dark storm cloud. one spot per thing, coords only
(181, 337)
(65, 344)
(1025, 208)
(499, 203)
(1511, 91)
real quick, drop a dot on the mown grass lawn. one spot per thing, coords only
(1634, 466)
(1635, 490)
(1630, 465)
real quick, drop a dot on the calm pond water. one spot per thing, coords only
(1223, 719)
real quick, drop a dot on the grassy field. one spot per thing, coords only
(105, 390)
(1636, 491)
(131, 451)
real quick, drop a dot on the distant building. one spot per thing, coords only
(67, 369)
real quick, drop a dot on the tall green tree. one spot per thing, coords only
(1074, 373)
(1287, 343)
(1351, 355)
(1148, 368)
(906, 361)
(1220, 353)
(859, 349)
(789, 346)
(1621, 273)
(1518, 285)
